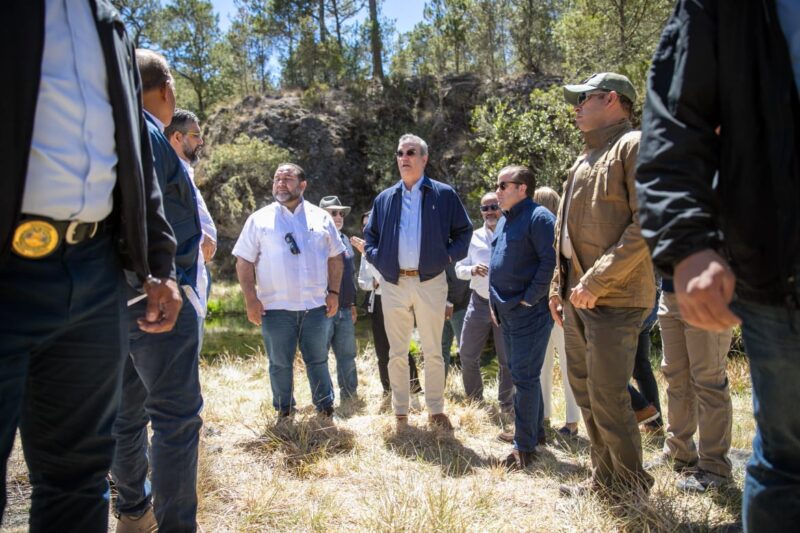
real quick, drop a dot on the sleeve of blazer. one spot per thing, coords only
(460, 230)
(372, 233)
(678, 155)
(160, 240)
(541, 233)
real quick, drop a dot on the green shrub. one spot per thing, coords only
(542, 136)
(239, 178)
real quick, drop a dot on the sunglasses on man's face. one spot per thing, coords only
(503, 185)
(490, 207)
(410, 153)
(289, 238)
(585, 97)
(337, 214)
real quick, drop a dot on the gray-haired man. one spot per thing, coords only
(417, 227)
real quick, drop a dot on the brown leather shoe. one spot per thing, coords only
(518, 460)
(146, 523)
(648, 414)
(400, 421)
(441, 421)
(506, 436)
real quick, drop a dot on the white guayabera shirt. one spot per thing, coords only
(292, 282)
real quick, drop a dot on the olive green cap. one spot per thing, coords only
(608, 81)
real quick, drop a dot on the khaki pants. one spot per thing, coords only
(424, 301)
(694, 366)
(601, 347)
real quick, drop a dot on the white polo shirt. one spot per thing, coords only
(285, 280)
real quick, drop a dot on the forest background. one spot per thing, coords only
(331, 85)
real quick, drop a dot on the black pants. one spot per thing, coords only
(382, 351)
(63, 339)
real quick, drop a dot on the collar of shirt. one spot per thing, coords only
(518, 208)
(424, 181)
(285, 211)
(186, 165)
(604, 136)
(158, 122)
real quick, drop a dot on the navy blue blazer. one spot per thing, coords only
(180, 204)
(446, 230)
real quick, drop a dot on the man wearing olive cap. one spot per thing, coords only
(603, 284)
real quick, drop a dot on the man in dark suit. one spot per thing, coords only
(161, 381)
(78, 203)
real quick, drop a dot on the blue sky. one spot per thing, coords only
(406, 13)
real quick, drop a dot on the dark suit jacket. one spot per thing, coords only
(147, 245)
(180, 204)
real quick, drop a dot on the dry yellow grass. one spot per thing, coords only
(359, 474)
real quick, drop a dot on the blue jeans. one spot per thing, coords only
(282, 331)
(342, 339)
(772, 486)
(526, 331)
(160, 384)
(63, 340)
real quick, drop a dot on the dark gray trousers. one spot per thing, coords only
(474, 334)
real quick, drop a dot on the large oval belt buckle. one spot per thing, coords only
(34, 239)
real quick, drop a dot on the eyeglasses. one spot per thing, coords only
(289, 238)
(337, 213)
(585, 97)
(490, 207)
(410, 153)
(194, 134)
(284, 179)
(503, 185)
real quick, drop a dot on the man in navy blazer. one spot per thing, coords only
(416, 229)
(161, 382)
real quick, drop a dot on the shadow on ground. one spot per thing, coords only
(302, 441)
(435, 446)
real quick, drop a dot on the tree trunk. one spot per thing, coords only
(322, 30)
(375, 41)
(335, 5)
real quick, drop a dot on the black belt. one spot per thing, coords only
(36, 237)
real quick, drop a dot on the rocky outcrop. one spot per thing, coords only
(345, 140)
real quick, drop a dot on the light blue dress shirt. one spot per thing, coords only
(73, 157)
(789, 15)
(410, 236)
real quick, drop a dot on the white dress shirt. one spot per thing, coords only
(73, 157)
(480, 252)
(366, 275)
(210, 230)
(284, 280)
(410, 234)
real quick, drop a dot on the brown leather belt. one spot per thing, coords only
(413, 273)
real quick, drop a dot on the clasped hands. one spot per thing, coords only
(580, 297)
